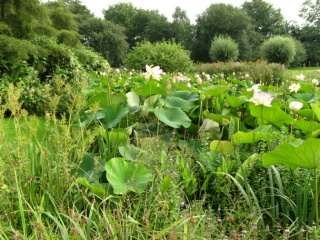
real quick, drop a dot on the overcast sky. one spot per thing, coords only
(289, 8)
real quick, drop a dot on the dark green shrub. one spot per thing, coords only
(301, 54)
(223, 49)
(259, 71)
(69, 38)
(5, 29)
(279, 49)
(16, 50)
(170, 56)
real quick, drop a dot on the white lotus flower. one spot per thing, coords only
(294, 87)
(295, 106)
(153, 72)
(315, 81)
(254, 88)
(262, 98)
(300, 77)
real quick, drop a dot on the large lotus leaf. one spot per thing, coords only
(307, 126)
(99, 189)
(173, 117)
(308, 97)
(90, 168)
(235, 102)
(188, 96)
(127, 176)
(130, 152)
(216, 91)
(113, 115)
(270, 115)
(316, 110)
(219, 118)
(306, 87)
(223, 147)
(150, 102)
(133, 99)
(253, 137)
(306, 113)
(307, 155)
(175, 102)
(149, 89)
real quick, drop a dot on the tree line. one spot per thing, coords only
(71, 23)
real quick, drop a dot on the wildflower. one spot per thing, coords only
(300, 77)
(262, 98)
(153, 72)
(294, 87)
(295, 106)
(255, 88)
(315, 81)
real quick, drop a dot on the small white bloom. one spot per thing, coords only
(255, 88)
(295, 106)
(262, 98)
(189, 85)
(315, 81)
(294, 87)
(199, 81)
(246, 75)
(300, 77)
(153, 72)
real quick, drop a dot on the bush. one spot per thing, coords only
(259, 71)
(170, 56)
(223, 49)
(279, 49)
(301, 54)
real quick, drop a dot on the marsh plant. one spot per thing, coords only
(147, 155)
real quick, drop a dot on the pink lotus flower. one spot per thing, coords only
(153, 72)
(262, 98)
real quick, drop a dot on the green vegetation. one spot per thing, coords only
(224, 150)
(223, 49)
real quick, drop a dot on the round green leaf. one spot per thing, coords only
(173, 117)
(127, 176)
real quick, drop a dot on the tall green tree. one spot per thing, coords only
(221, 19)
(266, 20)
(181, 27)
(310, 11)
(106, 38)
(22, 15)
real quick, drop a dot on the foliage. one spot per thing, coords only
(267, 20)
(223, 49)
(279, 49)
(225, 20)
(106, 38)
(301, 54)
(259, 71)
(169, 55)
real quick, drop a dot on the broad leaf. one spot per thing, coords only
(113, 114)
(99, 189)
(307, 155)
(127, 176)
(253, 137)
(235, 102)
(216, 91)
(270, 115)
(90, 168)
(173, 117)
(224, 147)
(188, 96)
(149, 89)
(176, 102)
(307, 126)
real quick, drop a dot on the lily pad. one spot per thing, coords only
(173, 117)
(307, 155)
(127, 176)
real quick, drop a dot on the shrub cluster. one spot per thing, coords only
(223, 49)
(259, 71)
(169, 55)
